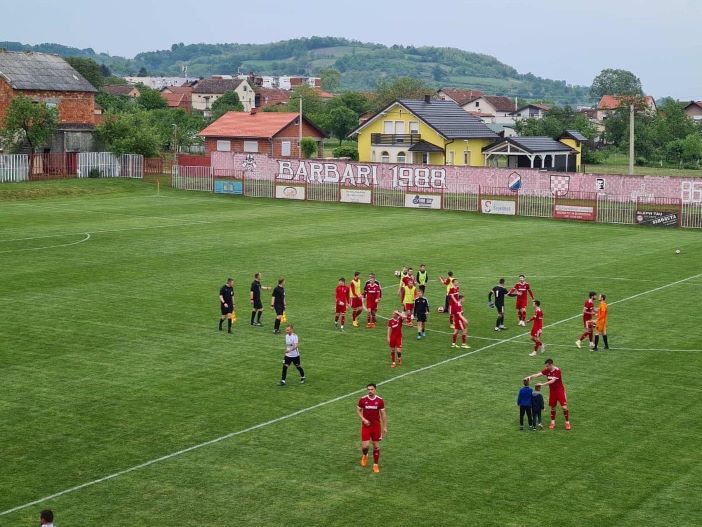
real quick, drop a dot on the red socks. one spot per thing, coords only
(392, 356)
(454, 338)
(463, 339)
(566, 414)
(537, 345)
(376, 455)
(343, 319)
(553, 414)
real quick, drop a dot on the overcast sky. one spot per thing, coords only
(660, 41)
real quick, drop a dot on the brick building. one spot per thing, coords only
(51, 80)
(272, 133)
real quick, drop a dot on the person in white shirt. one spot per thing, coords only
(46, 518)
(292, 355)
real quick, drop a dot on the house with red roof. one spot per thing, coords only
(694, 111)
(178, 97)
(275, 134)
(271, 97)
(609, 103)
(460, 96)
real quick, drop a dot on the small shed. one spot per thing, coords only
(533, 152)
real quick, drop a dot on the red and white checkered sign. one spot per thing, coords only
(560, 185)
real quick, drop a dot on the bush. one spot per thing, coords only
(308, 147)
(641, 162)
(346, 151)
(593, 157)
(94, 173)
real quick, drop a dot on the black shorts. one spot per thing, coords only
(291, 360)
(500, 308)
(226, 310)
(257, 304)
(279, 310)
(422, 317)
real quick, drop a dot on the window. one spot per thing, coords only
(399, 127)
(401, 157)
(466, 157)
(250, 146)
(373, 156)
(477, 104)
(388, 127)
(414, 127)
(449, 158)
(384, 157)
(224, 146)
(425, 158)
(285, 148)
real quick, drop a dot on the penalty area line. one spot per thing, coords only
(309, 408)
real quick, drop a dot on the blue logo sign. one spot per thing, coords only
(515, 182)
(223, 186)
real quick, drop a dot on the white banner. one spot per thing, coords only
(492, 206)
(423, 201)
(290, 192)
(349, 195)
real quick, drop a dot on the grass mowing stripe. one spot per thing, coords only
(314, 407)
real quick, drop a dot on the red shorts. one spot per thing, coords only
(409, 307)
(340, 308)
(356, 302)
(536, 332)
(458, 322)
(372, 432)
(395, 342)
(371, 303)
(557, 397)
(587, 323)
(521, 302)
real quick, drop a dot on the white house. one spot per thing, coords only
(492, 109)
(209, 90)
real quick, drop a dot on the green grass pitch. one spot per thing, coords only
(111, 359)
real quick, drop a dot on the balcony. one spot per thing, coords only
(395, 139)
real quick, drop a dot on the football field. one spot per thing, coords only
(121, 404)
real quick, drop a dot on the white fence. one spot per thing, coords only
(615, 209)
(691, 215)
(14, 168)
(192, 178)
(536, 204)
(106, 164)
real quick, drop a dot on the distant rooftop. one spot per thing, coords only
(40, 71)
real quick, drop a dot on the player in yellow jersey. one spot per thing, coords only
(601, 327)
(356, 298)
(408, 293)
(448, 282)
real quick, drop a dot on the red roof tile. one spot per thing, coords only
(461, 96)
(271, 97)
(246, 124)
(612, 102)
(501, 104)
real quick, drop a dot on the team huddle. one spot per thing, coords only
(414, 306)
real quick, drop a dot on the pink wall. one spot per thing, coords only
(458, 179)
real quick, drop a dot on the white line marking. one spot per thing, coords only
(311, 408)
(87, 237)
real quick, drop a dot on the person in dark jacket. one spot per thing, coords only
(524, 402)
(537, 405)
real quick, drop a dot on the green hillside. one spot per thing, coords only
(361, 64)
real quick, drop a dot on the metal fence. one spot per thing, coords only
(691, 216)
(192, 178)
(14, 168)
(107, 164)
(615, 209)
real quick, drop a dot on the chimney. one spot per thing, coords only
(254, 111)
(427, 99)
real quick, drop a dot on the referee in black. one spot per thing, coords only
(255, 299)
(226, 304)
(278, 303)
(500, 293)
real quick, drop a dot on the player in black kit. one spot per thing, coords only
(278, 303)
(421, 310)
(500, 293)
(226, 304)
(255, 299)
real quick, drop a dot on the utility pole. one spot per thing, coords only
(631, 139)
(299, 138)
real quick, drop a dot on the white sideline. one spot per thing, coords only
(313, 407)
(85, 239)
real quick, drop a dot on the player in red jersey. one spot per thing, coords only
(342, 301)
(448, 281)
(372, 292)
(588, 322)
(521, 289)
(453, 293)
(556, 391)
(537, 328)
(460, 323)
(374, 424)
(395, 338)
(356, 298)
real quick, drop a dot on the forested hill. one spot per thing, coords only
(361, 64)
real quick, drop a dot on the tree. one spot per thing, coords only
(400, 88)
(105, 71)
(340, 122)
(228, 102)
(89, 69)
(308, 146)
(312, 103)
(129, 133)
(150, 99)
(615, 82)
(27, 120)
(176, 127)
(330, 79)
(142, 72)
(355, 101)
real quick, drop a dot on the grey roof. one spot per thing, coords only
(216, 85)
(534, 145)
(449, 119)
(575, 135)
(424, 146)
(40, 71)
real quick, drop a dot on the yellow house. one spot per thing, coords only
(575, 140)
(429, 132)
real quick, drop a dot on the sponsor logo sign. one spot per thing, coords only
(290, 191)
(514, 182)
(574, 212)
(600, 184)
(350, 195)
(495, 206)
(423, 201)
(658, 218)
(224, 186)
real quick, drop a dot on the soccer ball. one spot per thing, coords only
(677, 251)
(397, 273)
(440, 309)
